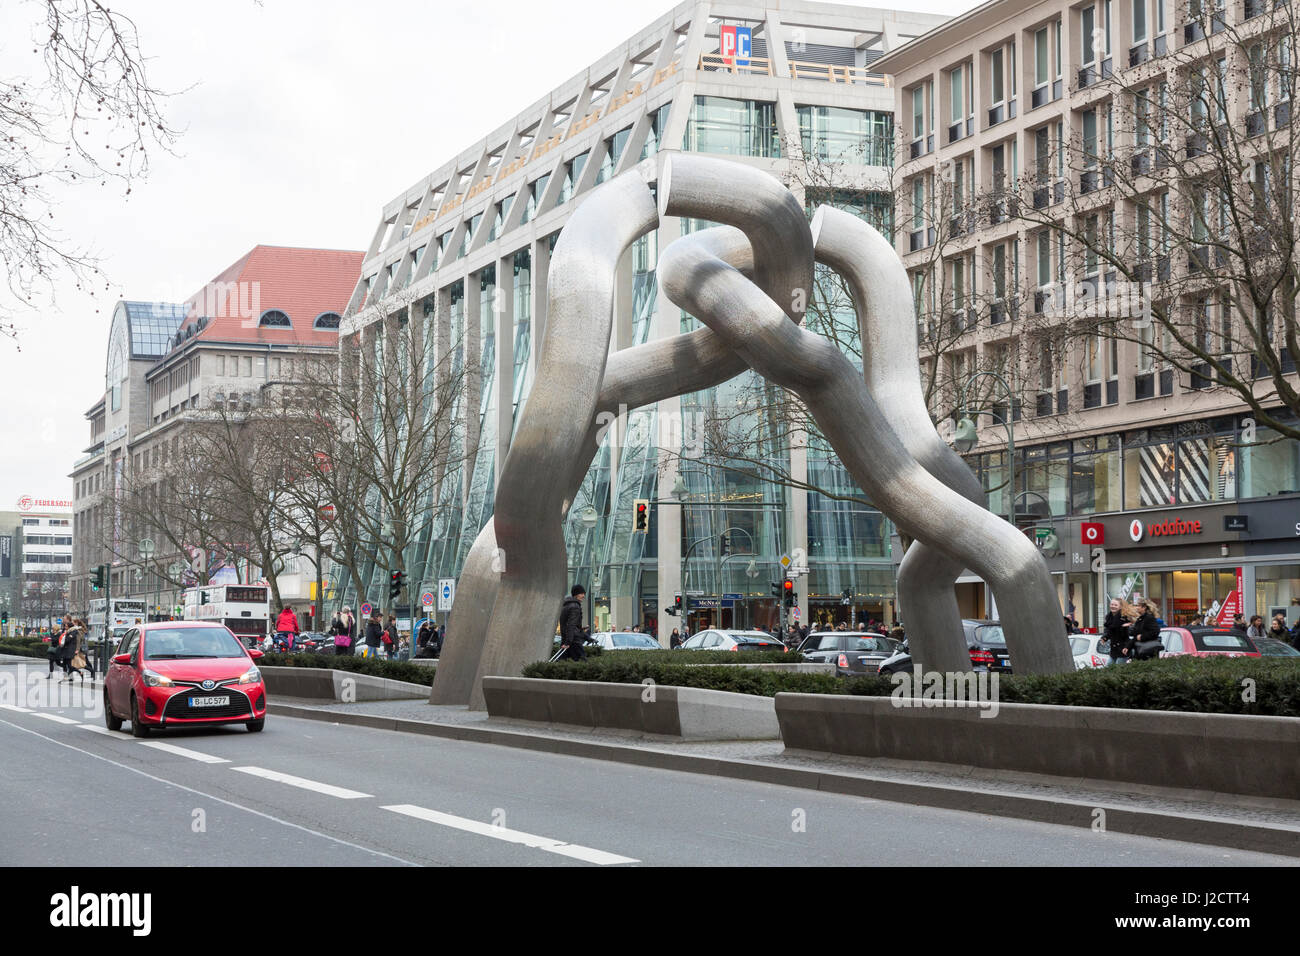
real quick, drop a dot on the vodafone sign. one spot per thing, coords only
(1173, 528)
(1092, 532)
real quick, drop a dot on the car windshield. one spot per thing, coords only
(633, 640)
(1222, 641)
(1078, 645)
(182, 643)
(990, 634)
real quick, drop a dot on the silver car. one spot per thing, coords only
(852, 652)
(626, 641)
(716, 640)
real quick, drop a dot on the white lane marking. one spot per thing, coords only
(215, 799)
(16, 709)
(586, 853)
(343, 793)
(58, 719)
(182, 752)
(96, 728)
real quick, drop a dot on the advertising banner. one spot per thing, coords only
(6, 555)
(1232, 605)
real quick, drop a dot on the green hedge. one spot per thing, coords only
(637, 666)
(24, 647)
(1201, 685)
(373, 666)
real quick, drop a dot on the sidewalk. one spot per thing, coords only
(1267, 826)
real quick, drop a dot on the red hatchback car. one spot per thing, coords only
(183, 674)
(1206, 642)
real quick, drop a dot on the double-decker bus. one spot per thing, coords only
(244, 608)
(126, 613)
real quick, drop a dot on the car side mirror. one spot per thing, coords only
(121, 658)
(254, 653)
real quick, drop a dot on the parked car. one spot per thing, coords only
(1206, 642)
(852, 652)
(313, 642)
(1089, 650)
(183, 674)
(1272, 647)
(984, 640)
(715, 640)
(626, 641)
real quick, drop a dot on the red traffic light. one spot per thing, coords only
(789, 585)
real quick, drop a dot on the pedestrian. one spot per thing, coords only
(571, 634)
(374, 635)
(79, 661)
(1278, 629)
(389, 638)
(1239, 621)
(1115, 632)
(425, 636)
(68, 645)
(1145, 633)
(675, 639)
(286, 628)
(52, 652)
(1256, 626)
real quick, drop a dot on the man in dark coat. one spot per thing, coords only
(571, 634)
(374, 634)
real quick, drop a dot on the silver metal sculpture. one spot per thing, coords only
(749, 285)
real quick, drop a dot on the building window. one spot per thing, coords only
(733, 127)
(1041, 65)
(274, 319)
(860, 137)
(329, 320)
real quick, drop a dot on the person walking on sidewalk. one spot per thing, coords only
(571, 633)
(374, 635)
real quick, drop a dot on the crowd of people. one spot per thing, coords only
(68, 651)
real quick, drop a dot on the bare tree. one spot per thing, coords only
(385, 427)
(93, 117)
(1170, 212)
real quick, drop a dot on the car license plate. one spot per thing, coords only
(209, 701)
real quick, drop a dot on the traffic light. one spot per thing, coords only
(724, 546)
(641, 515)
(4, 616)
(787, 587)
(204, 596)
(777, 590)
(395, 584)
(97, 578)
(676, 609)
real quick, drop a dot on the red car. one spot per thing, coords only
(183, 674)
(1206, 642)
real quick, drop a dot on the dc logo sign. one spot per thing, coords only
(1135, 530)
(1093, 532)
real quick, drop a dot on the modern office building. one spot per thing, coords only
(35, 560)
(1039, 135)
(238, 334)
(774, 85)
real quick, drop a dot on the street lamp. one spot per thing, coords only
(589, 521)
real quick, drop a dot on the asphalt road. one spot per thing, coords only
(317, 794)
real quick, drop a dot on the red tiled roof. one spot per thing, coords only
(302, 283)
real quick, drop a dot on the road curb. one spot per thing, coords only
(1255, 837)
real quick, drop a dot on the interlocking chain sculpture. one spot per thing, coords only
(747, 281)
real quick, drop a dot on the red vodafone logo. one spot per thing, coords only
(1135, 530)
(1092, 532)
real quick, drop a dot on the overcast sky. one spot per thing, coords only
(300, 119)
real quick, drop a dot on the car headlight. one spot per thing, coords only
(152, 679)
(250, 676)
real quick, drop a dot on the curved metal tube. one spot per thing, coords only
(882, 298)
(781, 244)
(849, 417)
(535, 475)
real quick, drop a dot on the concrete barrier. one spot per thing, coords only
(1224, 753)
(322, 683)
(686, 712)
